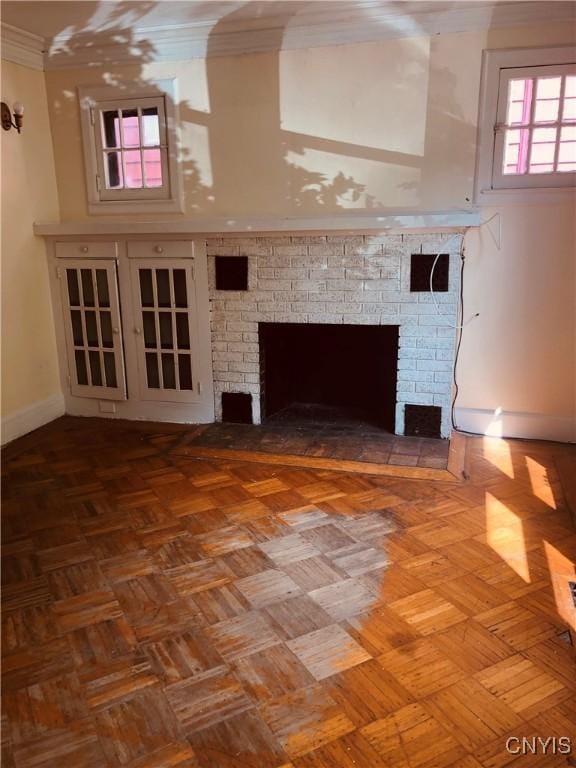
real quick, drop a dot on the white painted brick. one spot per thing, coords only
(347, 260)
(330, 249)
(363, 273)
(412, 375)
(244, 367)
(226, 336)
(346, 309)
(434, 388)
(304, 307)
(258, 317)
(445, 354)
(406, 365)
(274, 285)
(308, 239)
(381, 285)
(405, 386)
(364, 249)
(290, 296)
(238, 346)
(379, 309)
(347, 240)
(324, 318)
(434, 365)
(260, 251)
(291, 317)
(252, 357)
(289, 251)
(308, 285)
(291, 273)
(266, 273)
(240, 306)
(250, 337)
(443, 376)
(228, 249)
(418, 330)
(307, 261)
(219, 346)
(219, 365)
(231, 376)
(362, 320)
(273, 306)
(415, 398)
(437, 320)
(418, 354)
(227, 356)
(344, 285)
(253, 378)
(243, 326)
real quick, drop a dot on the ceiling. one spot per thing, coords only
(177, 28)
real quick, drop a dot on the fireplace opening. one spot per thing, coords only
(330, 373)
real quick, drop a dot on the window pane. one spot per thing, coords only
(77, 332)
(130, 128)
(182, 332)
(110, 369)
(91, 332)
(110, 132)
(542, 150)
(569, 107)
(146, 291)
(152, 370)
(106, 329)
(516, 150)
(81, 371)
(95, 370)
(149, 330)
(153, 167)
(547, 99)
(567, 150)
(132, 169)
(73, 290)
(102, 288)
(150, 127)
(163, 287)
(168, 371)
(112, 170)
(165, 322)
(87, 287)
(519, 99)
(185, 372)
(180, 296)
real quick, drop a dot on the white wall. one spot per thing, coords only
(31, 392)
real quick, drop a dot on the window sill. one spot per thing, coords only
(524, 196)
(120, 207)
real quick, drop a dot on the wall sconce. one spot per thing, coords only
(6, 116)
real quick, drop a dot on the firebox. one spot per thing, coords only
(349, 369)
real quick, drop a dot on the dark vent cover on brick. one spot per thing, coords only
(422, 420)
(420, 268)
(237, 407)
(232, 273)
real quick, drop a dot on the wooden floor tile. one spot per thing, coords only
(328, 651)
(345, 598)
(200, 704)
(289, 549)
(305, 720)
(182, 656)
(427, 612)
(297, 616)
(267, 587)
(420, 667)
(272, 672)
(242, 636)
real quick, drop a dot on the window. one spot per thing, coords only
(527, 132)
(129, 148)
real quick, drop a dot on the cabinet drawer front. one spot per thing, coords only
(160, 249)
(87, 249)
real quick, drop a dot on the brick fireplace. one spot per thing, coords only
(339, 280)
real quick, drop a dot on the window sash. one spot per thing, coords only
(500, 180)
(161, 192)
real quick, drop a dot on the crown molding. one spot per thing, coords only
(309, 28)
(21, 47)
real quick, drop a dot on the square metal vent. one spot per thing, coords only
(237, 407)
(422, 420)
(232, 273)
(420, 268)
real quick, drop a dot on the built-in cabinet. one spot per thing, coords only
(132, 319)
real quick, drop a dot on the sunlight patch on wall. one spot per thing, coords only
(351, 182)
(369, 95)
(497, 452)
(494, 429)
(561, 570)
(505, 535)
(193, 91)
(540, 483)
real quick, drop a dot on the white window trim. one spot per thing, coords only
(90, 96)
(492, 63)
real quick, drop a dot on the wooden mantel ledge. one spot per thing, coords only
(387, 222)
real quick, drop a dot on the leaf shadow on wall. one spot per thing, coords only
(252, 165)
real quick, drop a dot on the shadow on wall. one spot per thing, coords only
(270, 150)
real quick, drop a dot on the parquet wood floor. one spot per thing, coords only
(166, 611)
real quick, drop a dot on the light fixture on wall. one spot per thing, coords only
(6, 116)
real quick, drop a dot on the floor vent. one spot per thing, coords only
(422, 420)
(237, 407)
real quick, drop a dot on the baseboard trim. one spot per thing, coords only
(28, 419)
(532, 426)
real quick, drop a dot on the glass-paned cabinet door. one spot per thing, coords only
(165, 323)
(89, 292)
